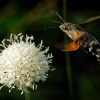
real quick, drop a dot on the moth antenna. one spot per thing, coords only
(57, 22)
(60, 17)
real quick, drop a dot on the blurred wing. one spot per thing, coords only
(90, 20)
(69, 46)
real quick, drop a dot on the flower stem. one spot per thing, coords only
(68, 64)
(27, 96)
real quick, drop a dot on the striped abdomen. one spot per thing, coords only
(90, 44)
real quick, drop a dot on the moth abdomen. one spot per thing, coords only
(90, 44)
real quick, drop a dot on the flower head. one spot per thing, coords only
(22, 64)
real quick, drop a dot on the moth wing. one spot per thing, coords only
(68, 46)
(90, 20)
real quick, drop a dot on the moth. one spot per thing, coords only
(79, 38)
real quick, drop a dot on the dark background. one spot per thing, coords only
(32, 17)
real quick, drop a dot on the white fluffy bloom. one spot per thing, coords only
(22, 63)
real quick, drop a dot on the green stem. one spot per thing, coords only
(27, 96)
(68, 64)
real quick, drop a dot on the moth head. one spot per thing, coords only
(69, 29)
(74, 31)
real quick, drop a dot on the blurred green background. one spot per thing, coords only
(82, 80)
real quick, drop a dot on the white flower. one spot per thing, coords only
(22, 63)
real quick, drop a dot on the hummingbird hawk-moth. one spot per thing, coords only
(79, 38)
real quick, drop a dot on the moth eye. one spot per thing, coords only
(66, 28)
